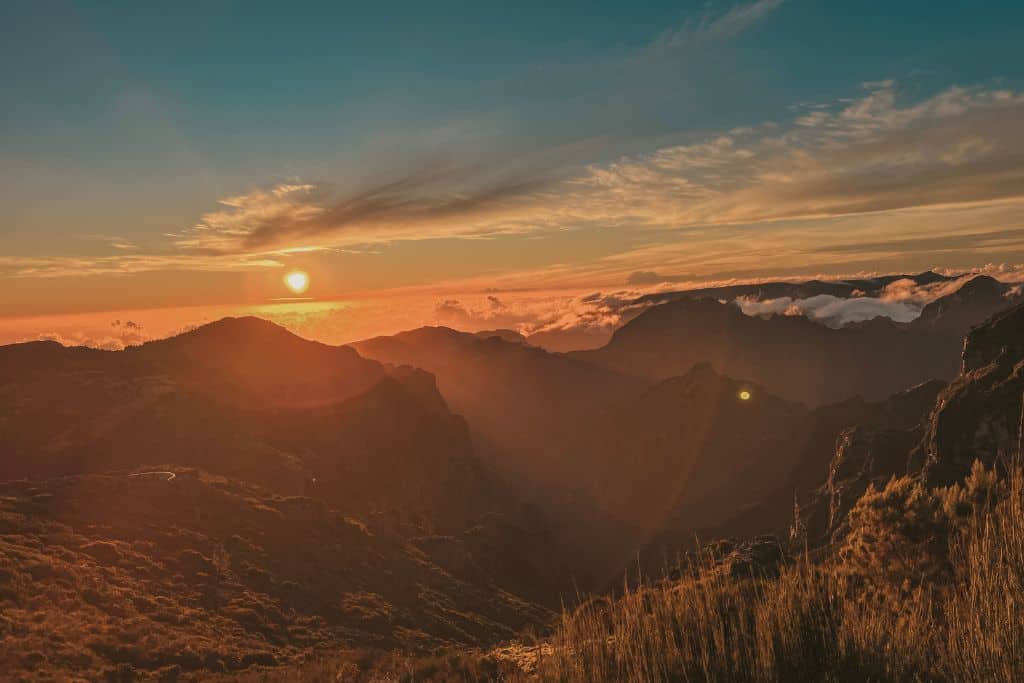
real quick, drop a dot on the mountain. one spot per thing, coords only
(792, 356)
(976, 301)
(795, 357)
(933, 432)
(247, 399)
(527, 407)
(564, 340)
(148, 578)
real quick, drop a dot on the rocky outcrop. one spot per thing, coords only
(873, 452)
(978, 417)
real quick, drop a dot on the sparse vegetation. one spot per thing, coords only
(928, 586)
(113, 578)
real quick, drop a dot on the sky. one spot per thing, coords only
(480, 164)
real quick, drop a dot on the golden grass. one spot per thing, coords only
(824, 622)
(953, 611)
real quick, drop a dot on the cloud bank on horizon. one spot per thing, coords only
(554, 321)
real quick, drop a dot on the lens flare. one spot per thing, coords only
(745, 395)
(297, 281)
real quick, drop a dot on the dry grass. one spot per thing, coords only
(932, 591)
(928, 586)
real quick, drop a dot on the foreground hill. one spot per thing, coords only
(247, 399)
(123, 577)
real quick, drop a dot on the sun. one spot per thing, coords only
(297, 281)
(745, 395)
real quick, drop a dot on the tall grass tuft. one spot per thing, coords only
(930, 587)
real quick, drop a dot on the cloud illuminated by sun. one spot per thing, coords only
(297, 281)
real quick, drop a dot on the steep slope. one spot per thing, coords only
(692, 458)
(131, 578)
(692, 447)
(678, 460)
(248, 399)
(526, 406)
(979, 415)
(933, 431)
(976, 301)
(848, 446)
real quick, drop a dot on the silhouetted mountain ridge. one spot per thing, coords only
(245, 398)
(796, 357)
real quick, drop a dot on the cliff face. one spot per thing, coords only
(1001, 335)
(979, 415)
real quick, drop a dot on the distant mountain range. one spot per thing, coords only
(795, 357)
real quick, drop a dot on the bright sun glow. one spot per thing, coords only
(744, 395)
(297, 281)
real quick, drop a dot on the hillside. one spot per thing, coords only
(123, 577)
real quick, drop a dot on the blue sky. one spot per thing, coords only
(446, 144)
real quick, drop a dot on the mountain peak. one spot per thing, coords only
(928, 277)
(975, 300)
(242, 329)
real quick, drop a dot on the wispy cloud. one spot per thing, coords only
(962, 145)
(73, 266)
(430, 203)
(871, 155)
(713, 25)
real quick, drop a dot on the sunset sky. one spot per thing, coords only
(460, 163)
